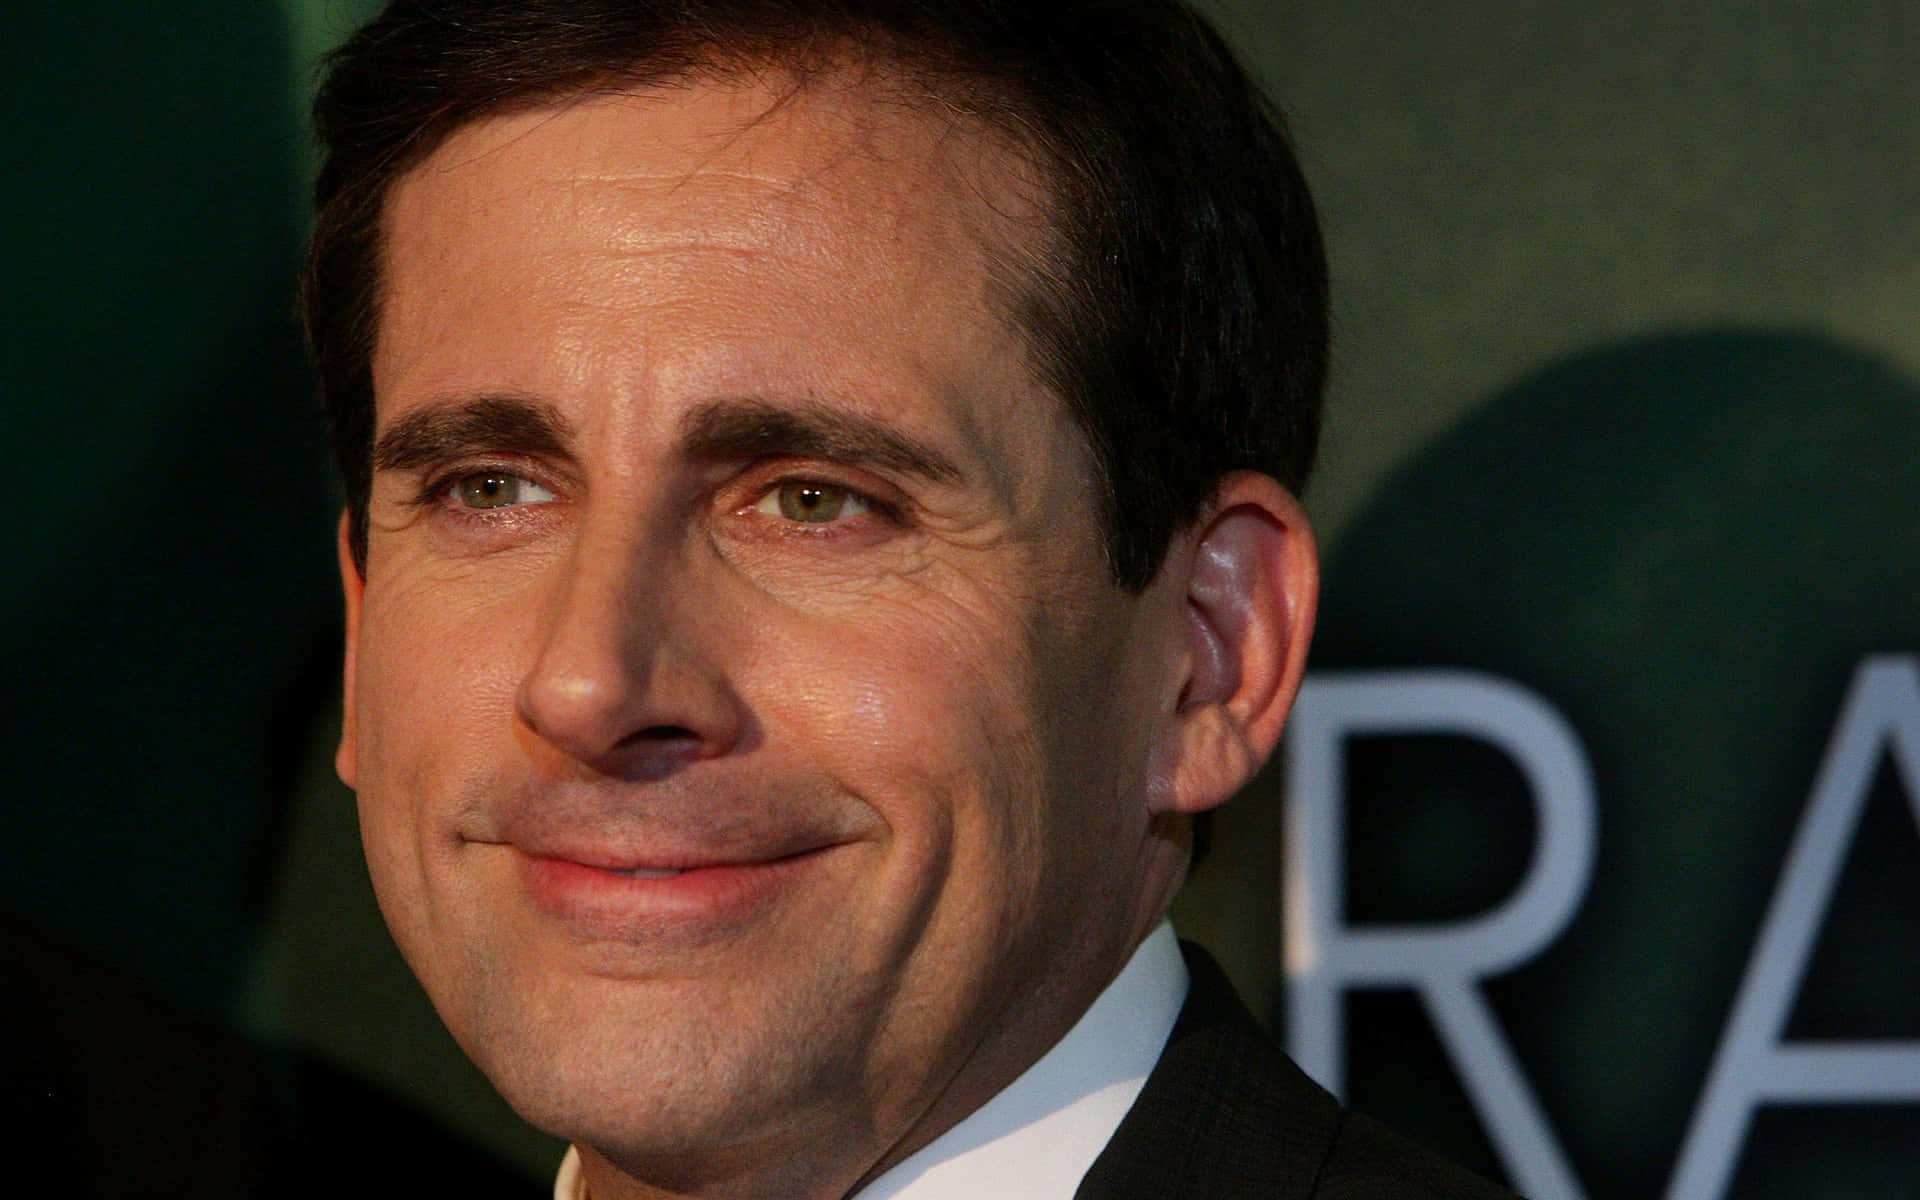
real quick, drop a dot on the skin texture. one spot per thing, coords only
(718, 523)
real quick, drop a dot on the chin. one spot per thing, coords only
(661, 1076)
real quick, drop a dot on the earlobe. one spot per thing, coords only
(1252, 580)
(354, 585)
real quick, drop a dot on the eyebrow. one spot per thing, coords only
(723, 429)
(497, 423)
(750, 428)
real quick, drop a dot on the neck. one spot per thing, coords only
(836, 1158)
(799, 1177)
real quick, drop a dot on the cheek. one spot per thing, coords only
(437, 670)
(932, 714)
(936, 686)
(935, 734)
(434, 693)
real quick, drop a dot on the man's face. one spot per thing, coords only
(750, 742)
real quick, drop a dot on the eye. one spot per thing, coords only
(812, 503)
(496, 489)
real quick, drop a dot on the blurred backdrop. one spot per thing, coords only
(1599, 827)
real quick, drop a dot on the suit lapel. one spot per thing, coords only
(1224, 1114)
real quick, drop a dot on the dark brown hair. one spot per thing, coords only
(1183, 320)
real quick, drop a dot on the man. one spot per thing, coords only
(821, 526)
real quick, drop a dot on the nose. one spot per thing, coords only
(629, 680)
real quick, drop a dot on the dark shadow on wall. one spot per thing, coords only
(169, 534)
(108, 1091)
(1685, 545)
(171, 621)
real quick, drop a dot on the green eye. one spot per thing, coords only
(497, 489)
(813, 503)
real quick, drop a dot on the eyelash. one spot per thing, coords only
(436, 491)
(874, 508)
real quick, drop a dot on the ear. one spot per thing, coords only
(1252, 577)
(345, 761)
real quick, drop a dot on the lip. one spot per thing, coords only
(635, 898)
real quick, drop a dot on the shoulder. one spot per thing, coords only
(1227, 1114)
(1367, 1161)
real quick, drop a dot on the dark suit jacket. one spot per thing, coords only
(1227, 1115)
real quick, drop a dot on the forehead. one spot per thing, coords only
(843, 206)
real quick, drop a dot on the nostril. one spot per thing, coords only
(665, 733)
(654, 752)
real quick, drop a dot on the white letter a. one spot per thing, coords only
(1754, 1065)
